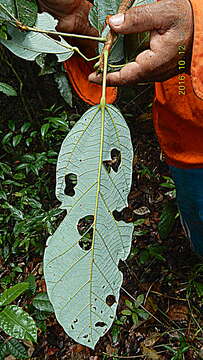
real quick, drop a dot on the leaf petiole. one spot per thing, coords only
(52, 32)
(103, 97)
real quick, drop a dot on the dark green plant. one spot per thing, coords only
(152, 252)
(133, 310)
(178, 353)
(15, 322)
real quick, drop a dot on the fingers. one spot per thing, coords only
(139, 19)
(148, 66)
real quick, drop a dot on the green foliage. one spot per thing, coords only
(178, 354)
(167, 219)
(12, 293)
(42, 303)
(100, 10)
(17, 349)
(151, 252)
(7, 89)
(26, 189)
(25, 12)
(15, 322)
(133, 310)
(3, 31)
(169, 184)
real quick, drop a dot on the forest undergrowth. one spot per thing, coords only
(160, 311)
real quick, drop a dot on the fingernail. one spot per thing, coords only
(117, 19)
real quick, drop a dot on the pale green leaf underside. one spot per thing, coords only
(28, 45)
(79, 281)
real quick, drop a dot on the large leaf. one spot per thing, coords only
(24, 11)
(12, 293)
(28, 45)
(17, 323)
(81, 260)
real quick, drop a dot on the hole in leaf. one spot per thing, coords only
(85, 229)
(110, 300)
(115, 161)
(111, 317)
(71, 182)
(117, 215)
(75, 321)
(72, 327)
(85, 336)
(100, 324)
(94, 307)
(126, 214)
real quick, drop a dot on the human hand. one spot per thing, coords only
(73, 18)
(171, 25)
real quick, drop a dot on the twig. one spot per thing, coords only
(112, 36)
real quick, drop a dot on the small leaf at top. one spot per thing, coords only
(26, 11)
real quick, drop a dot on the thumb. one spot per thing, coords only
(139, 19)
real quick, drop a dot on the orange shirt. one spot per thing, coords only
(178, 107)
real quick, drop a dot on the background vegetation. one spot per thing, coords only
(160, 310)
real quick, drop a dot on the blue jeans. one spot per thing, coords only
(189, 196)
